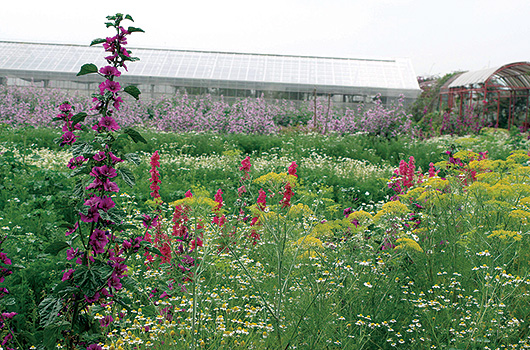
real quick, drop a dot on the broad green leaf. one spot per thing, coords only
(48, 310)
(134, 29)
(127, 176)
(77, 148)
(129, 18)
(133, 91)
(133, 158)
(135, 135)
(116, 215)
(80, 170)
(78, 118)
(91, 280)
(97, 41)
(88, 68)
(84, 209)
(56, 247)
(82, 149)
(79, 189)
(109, 24)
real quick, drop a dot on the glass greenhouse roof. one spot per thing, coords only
(169, 66)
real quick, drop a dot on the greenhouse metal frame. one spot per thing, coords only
(510, 82)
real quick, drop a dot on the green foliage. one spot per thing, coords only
(88, 68)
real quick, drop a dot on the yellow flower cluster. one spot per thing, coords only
(393, 209)
(275, 179)
(408, 243)
(505, 235)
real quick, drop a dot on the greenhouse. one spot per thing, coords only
(500, 94)
(344, 81)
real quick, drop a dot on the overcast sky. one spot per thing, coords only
(439, 36)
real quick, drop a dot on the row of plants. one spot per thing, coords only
(28, 105)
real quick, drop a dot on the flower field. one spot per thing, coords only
(244, 235)
(443, 265)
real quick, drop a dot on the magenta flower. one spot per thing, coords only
(72, 253)
(155, 175)
(219, 199)
(98, 241)
(106, 203)
(95, 185)
(245, 167)
(68, 138)
(109, 85)
(287, 195)
(5, 259)
(105, 321)
(75, 162)
(110, 71)
(103, 172)
(8, 315)
(92, 216)
(114, 159)
(220, 221)
(67, 275)
(65, 107)
(109, 123)
(292, 169)
(93, 202)
(100, 156)
(114, 282)
(262, 199)
(110, 186)
(117, 102)
(73, 229)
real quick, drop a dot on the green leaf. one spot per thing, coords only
(91, 280)
(82, 149)
(80, 170)
(84, 209)
(48, 310)
(78, 118)
(98, 41)
(125, 227)
(79, 189)
(134, 29)
(133, 158)
(134, 135)
(133, 91)
(56, 247)
(127, 176)
(116, 215)
(88, 68)
(129, 18)
(109, 24)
